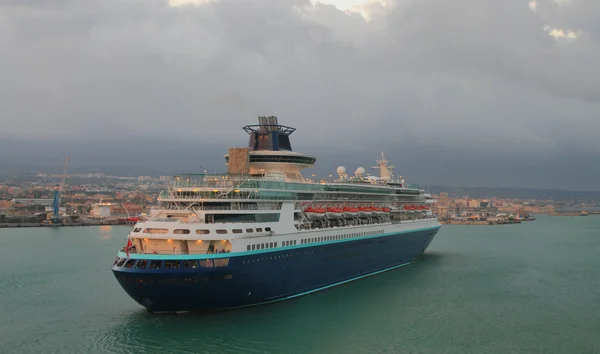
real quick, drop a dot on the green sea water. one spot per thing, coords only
(528, 288)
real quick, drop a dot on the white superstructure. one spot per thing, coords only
(264, 202)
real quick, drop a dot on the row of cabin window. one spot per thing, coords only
(262, 246)
(340, 237)
(151, 230)
(171, 264)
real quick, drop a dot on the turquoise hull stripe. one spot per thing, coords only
(268, 250)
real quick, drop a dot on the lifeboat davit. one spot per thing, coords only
(334, 213)
(314, 213)
(364, 212)
(350, 212)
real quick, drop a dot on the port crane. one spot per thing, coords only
(127, 211)
(56, 218)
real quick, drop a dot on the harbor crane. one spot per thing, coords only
(56, 218)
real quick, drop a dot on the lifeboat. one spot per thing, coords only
(377, 211)
(386, 210)
(334, 213)
(314, 213)
(350, 212)
(364, 212)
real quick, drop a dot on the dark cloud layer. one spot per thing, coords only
(421, 79)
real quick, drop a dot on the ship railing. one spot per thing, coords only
(243, 196)
(134, 251)
(221, 180)
(268, 206)
(163, 219)
(237, 180)
(240, 207)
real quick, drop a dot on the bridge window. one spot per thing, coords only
(190, 264)
(259, 229)
(181, 231)
(203, 232)
(155, 264)
(267, 229)
(206, 263)
(151, 230)
(221, 231)
(137, 229)
(129, 263)
(249, 231)
(141, 263)
(221, 262)
(248, 248)
(172, 265)
(237, 231)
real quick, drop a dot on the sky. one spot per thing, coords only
(467, 92)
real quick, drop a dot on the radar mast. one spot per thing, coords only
(385, 171)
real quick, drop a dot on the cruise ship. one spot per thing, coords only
(263, 232)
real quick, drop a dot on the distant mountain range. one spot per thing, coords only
(537, 177)
(123, 170)
(7, 170)
(520, 193)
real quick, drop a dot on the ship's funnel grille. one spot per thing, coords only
(268, 124)
(269, 135)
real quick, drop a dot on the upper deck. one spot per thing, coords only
(268, 170)
(275, 186)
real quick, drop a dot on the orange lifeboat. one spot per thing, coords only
(334, 213)
(350, 212)
(314, 213)
(364, 212)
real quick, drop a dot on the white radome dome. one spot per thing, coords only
(360, 171)
(341, 170)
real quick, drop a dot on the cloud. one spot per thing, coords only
(466, 73)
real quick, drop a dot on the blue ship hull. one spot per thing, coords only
(273, 275)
